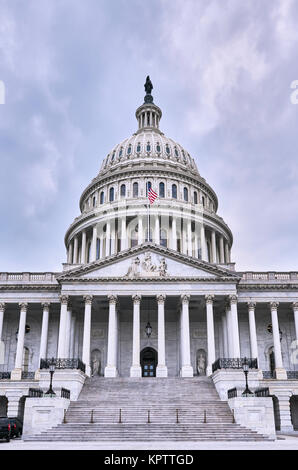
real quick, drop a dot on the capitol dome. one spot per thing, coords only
(115, 208)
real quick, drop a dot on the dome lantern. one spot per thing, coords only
(148, 115)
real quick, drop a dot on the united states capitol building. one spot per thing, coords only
(149, 296)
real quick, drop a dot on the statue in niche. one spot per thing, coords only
(95, 363)
(201, 362)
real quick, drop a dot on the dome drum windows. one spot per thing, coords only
(185, 194)
(174, 191)
(102, 197)
(148, 147)
(161, 189)
(111, 194)
(135, 189)
(122, 190)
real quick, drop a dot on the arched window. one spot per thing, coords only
(129, 150)
(195, 197)
(176, 152)
(111, 198)
(113, 157)
(168, 149)
(135, 190)
(120, 152)
(185, 194)
(203, 201)
(158, 148)
(94, 201)
(148, 186)
(174, 191)
(148, 148)
(102, 197)
(138, 148)
(161, 190)
(122, 190)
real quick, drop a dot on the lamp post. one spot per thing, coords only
(52, 370)
(245, 370)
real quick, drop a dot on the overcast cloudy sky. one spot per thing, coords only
(74, 74)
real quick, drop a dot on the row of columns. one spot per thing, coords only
(230, 328)
(190, 242)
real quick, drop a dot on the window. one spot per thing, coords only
(138, 148)
(111, 195)
(135, 190)
(97, 248)
(185, 194)
(122, 190)
(158, 148)
(176, 152)
(203, 201)
(161, 190)
(195, 197)
(148, 186)
(129, 150)
(102, 198)
(148, 148)
(94, 201)
(168, 149)
(120, 152)
(113, 157)
(174, 191)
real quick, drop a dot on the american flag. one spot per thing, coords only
(152, 195)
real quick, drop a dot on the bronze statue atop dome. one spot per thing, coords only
(148, 85)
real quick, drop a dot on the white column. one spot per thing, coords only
(111, 367)
(87, 334)
(108, 237)
(72, 337)
(229, 332)
(235, 327)
(67, 331)
(93, 244)
(70, 252)
(83, 247)
(2, 347)
(124, 244)
(113, 238)
(75, 250)
(135, 370)
(62, 327)
(227, 252)
(295, 311)
(213, 246)
(279, 368)
(140, 230)
(189, 238)
(16, 374)
(253, 331)
(203, 244)
(221, 250)
(157, 230)
(210, 333)
(225, 335)
(174, 234)
(44, 331)
(161, 369)
(2, 309)
(186, 368)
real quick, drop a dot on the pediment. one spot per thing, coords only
(148, 262)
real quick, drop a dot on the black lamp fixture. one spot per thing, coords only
(51, 392)
(148, 328)
(245, 366)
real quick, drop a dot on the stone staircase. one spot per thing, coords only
(152, 409)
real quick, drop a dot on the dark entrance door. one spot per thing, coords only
(148, 362)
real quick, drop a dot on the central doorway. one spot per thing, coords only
(148, 362)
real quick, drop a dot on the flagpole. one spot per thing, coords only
(148, 214)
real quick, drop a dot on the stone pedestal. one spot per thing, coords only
(43, 413)
(111, 371)
(161, 371)
(280, 373)
(16, 374)
(186, 371)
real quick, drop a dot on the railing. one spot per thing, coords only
(232, 393)
(233, 363)
(5, 375)
(35, 393)
(292, 374)
(29, 277)
(269, 276)
(268, 374)
(28, 375)
(65, 393)
(262, 392)
(63, 364)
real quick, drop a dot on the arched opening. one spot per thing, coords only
(201, 362)
(135, 190)
(174, 191)
(96, 363)
(294, 411)
(271, 360)
(3, 406)
(148, 361)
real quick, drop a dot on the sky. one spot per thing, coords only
(74, 72)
